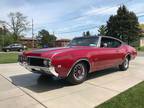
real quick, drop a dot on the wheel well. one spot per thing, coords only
(129, 57)
(86, 63)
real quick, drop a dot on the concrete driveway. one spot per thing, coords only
(20, 88)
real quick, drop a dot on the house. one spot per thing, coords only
(142, 38)
(61, 42)
(141, 41)
(29, 42)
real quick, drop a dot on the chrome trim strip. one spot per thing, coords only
(77, 62)
(50, 70)
(39, 57)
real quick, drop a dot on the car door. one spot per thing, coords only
(12, 47)
(17, 47)
(109, 53)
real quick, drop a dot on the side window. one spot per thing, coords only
(109, 43)
(12, 45)
(115, 43)
(17, 45)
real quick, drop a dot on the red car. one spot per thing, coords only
(83, 55)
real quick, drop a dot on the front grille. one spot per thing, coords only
(35, 61)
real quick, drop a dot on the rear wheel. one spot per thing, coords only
(20, 50)
(125, 65)
(7, 50)
(78, 74)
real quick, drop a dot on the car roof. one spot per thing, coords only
(113, 38)
(100, 37)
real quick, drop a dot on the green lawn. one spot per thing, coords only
(132, 98)
(8, 58)
(140, 48)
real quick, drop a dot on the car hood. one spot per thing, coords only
(50, 52)
(6, 47)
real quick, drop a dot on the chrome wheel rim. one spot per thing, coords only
(79, 72)
(126, 63)
(7, 50)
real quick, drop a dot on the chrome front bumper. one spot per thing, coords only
(38, 69)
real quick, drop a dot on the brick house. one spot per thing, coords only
(61, 42)
(141, 41)
(29, 42)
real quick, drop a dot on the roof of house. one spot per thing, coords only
(63, 40)
(28, 38)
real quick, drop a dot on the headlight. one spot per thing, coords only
(47, 63)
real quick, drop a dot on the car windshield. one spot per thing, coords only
(84, 41)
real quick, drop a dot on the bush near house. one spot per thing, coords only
(140, 48)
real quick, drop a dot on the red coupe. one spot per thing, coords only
(83, 55)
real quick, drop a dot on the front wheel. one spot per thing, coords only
(78, 74)
(20, 50)
(125, 65)
(7, 50)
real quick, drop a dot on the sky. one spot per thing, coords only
(68, 18)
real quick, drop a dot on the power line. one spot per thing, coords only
(92, 27)
(141, 16)
(103, 10)
(89, 28)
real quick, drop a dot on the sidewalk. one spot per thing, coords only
(13, 97)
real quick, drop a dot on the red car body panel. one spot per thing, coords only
(63, 59)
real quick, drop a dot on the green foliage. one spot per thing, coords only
(86, 34)
(124, 25)
(46, 38)
(102, 30)
(5, 38)
(11, 32)
(17, 25)
(141, 26)
(140, 48)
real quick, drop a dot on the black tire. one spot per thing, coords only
(7, 50)
(125, 65)
(20, 50)
(78, 74)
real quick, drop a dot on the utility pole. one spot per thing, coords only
(4, 33)
(32, 34)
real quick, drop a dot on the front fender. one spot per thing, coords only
(64, 64)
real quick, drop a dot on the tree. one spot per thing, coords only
(124, 25)
(46, 38)
(141, 27)
(102, 30)
(5, 37)
(86, 34)
(17, 25)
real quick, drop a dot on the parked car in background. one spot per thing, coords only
(14, 47)
(83, 55)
